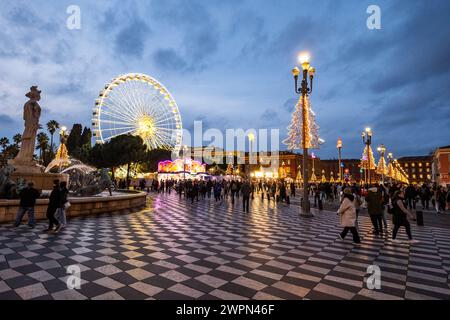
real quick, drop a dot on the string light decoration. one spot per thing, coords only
(367, 154)
(230, 170)
(332, 177)
(299, 175)
(381, 167)
(295, 129)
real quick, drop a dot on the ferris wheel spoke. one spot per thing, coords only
(115, 122)
(135, 94)
(115, 104)
(120, 100)
(119, 128)
(132, 107)
(119, 134)
(119, 117)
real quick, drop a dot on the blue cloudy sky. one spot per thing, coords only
(228, 63)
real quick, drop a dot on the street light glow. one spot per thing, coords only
(304, 58)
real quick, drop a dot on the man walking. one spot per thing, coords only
(375, 208)
(28, 198)
(246, 191)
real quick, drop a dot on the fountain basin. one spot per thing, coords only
(119, 202)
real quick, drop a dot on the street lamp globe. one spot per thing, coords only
(304, 58)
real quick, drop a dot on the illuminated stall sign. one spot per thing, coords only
(190, 166)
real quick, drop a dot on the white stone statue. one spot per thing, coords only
(24, 161)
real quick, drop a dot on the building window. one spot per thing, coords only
(428, 169)
(421, 176)
(420, 164)
(413, 170)
(406, 165)
(289, 162)
(413, 164)
(428, 164)
(428, 177)
(420, 170)
(414, 176)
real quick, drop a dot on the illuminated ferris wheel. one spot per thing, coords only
(138, 104)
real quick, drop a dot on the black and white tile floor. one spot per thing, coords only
(179, 250)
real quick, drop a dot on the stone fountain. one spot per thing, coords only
(24, 166)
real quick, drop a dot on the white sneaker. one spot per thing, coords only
(413, 241)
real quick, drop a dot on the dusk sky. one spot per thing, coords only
(228, 63)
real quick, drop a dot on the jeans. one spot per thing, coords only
(377, 223)
(21, 213)
(384, 217)
(246, 203)
(354, 232)
(52, 221)
(397, 227)
(61, 216)
(412, 203)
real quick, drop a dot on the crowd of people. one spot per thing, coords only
(397, 201)
(381, 200)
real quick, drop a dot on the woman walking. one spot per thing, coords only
(347, 214)
(400, 216)
(64, 203)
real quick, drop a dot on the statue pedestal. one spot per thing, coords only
(31, 171)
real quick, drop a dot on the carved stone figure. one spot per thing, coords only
(6, 184)
(31, 113)
(91, 184)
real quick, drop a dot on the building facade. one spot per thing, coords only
(417, 168)
(441, 166)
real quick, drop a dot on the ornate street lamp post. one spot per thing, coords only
(185, 148)
(305, 89)
(390, 158)
(339, 147)
(367, 140)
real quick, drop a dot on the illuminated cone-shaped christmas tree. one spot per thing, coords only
(295, 129)
(390, 171)
(324, 179)
(381, 167)
(230, 170)
(313, 177)
(367, 155)
(332, 177)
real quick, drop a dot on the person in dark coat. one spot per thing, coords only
(61, 211)
(53, 205)
(375, 208)
(400, 216)
(28, 197)
(246, 191)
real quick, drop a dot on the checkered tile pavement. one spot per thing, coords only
(178, 250)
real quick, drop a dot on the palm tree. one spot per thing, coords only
(4, 143)
(42, 145)
(17, 139)
(52, 126)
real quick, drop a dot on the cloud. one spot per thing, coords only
(169, 59)
(198, 32)
(130, 41)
